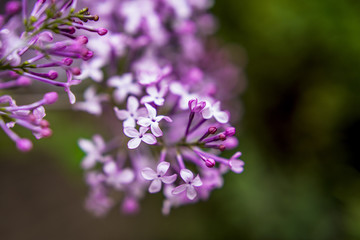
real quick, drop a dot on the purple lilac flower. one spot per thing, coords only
(40, 46)
(162, 69)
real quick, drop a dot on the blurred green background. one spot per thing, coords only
(299, 137)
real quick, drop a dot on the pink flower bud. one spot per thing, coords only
(230, 131)
(52, 74)
(130, 206)
(212, 130)
(44, 123)
(46, 132)
(76, 71)
(12, 7)
(209, 162)
(102, 31)
(24, 144)
(23, 81)
(82, 39)
(67, 61)
(50, 97)
(195, 75)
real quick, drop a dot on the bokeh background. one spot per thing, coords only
(299, 136)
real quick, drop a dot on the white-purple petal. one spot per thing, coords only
(151, 110)
(186, 175)
(236, 166)
(131, 132)
(221, 116)
(179, 189)
(162, 168)
(149, 138)
(143, 121)
(169, 179)
(148, 174)
(196, 181)
(134, 143)
(207, 113)
(126, 176)
(132, 104)
(155, 186)
(155, 129)
(191, 192)
(121, 114)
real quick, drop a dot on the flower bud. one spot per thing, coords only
(12, 7)
(52, 74)
(23, 81)
(209, 162)
(24, 144)
(50, 97)
(230, 131)
(102, 31)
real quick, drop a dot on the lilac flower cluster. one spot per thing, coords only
(39, 45)
(163, 80)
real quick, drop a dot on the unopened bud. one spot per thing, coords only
(50, 97)
(24, 144)
(209, 162)
(52, 74)
(102, 31)
(212, 130)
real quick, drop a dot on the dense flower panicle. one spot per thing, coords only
(41, 45)
(166, 86)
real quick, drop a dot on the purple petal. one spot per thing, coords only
(147, 99)
(143, 130)
(132, 104)
(159, 101)
(155, 129)
(141, 112)
(207, 113)
(162, 168)
(110, 168)
(191, 192)
(216, 106)
(197, 181)
(221, 117)
(86, 145)
(149, 138)
(151, 110)
(88, 162)
(186, 175)
(143, 121)
(134, 143)
(126, 176)
(236, 166)
(148, 174)
(130, 122)
(121, 114)
(179, 189)
(169, 179)
(152, 91)
(155, 186)
(131, 132)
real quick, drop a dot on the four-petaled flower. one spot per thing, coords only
(132, 114)
(152, 120)
(189, 185)
(118, 177)
(124, 86)
(138, 136)
(158, 176)
(93, 149)
(155, 95)
(92, 103)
